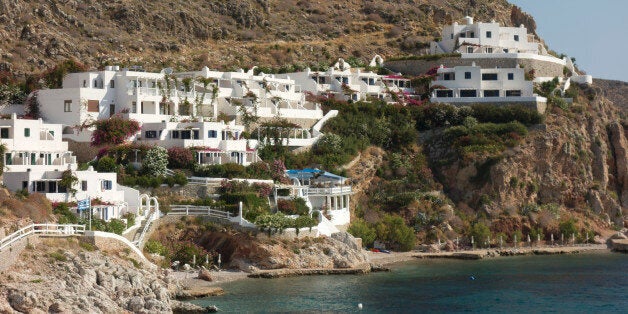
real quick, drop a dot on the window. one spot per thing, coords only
(449, 76)
(40, 186)
(95, 83)
(469, 49)
(67, 105)
(186, 135)
(444, 93)
(451, 36)
(516, 37)
(472, 35)
(489, 34)
(25, 185)
(468, 93)
(511, 76)
(62, 189)
(467, 75)
(52, 186)
(4, 133)
(92, 105)
(175, 134)
(112, 84)
(212, 134)
(491, 93)
(150, 134)
(83, 185)
(84, 83)
(513, 93)
(7, 159)
(27, 132)
(134, 107)
(489, 50)
(505, 50)
(463, 35)
(196, 134)
(489, 76)
(107, 185)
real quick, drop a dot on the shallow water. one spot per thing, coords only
(586, 283)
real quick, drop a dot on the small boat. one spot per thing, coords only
(375, 250)
(385, 251)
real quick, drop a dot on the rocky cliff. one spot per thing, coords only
(36, 35)
(575, 161)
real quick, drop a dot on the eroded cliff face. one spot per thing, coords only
(574, 163)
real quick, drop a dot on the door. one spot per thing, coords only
(92, 106)
(112, 109)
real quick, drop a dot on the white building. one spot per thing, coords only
(472, 84)
(484, 38)
(268, 94)
(214, 142)
(346, 83)
(325, 192)
(36, 158)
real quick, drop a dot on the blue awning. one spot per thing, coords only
(309, 173)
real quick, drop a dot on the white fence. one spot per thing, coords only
(42, 229)
(191, 210)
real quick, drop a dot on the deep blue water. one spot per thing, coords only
(587, 283)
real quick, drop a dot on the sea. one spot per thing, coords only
(576, 283)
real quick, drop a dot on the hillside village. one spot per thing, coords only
(138, 146)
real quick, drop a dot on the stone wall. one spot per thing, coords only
(418, 67)
(9, 255)
(84, 151)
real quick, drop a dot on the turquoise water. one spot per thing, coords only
(591, 283)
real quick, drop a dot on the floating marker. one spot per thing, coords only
(472, 277)
(360, 306)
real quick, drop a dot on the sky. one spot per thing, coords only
(592, 31)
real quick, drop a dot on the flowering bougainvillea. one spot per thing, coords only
(180, 157)
(114, 130)
(155, 161)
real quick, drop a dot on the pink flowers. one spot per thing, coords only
(115, 130)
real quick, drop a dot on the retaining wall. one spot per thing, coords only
(418, 67)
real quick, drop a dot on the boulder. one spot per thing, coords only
(204, 274)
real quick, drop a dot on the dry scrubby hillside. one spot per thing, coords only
(36, 35)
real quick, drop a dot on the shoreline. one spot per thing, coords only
(197, 288)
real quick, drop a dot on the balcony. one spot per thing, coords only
(339, 190)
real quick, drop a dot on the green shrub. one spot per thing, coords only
(116, 226)
(480, 232)
(155, 247)
(568, 227)
(58, 256)
(393, 231)
(106, 164)
(361, 229)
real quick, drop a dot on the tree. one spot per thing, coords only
(394, 232)
(480, 232)
(106, 164)
(155, 162)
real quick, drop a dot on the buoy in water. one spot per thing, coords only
(360, 306)
(472, 277)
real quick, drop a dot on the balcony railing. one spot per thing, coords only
(329, 191)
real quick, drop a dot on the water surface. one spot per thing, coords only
(586, 283)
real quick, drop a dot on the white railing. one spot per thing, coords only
(192, 210)
(49, 229)
(329, 191)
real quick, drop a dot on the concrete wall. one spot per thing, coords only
(418, 67)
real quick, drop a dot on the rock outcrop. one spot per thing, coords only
(71, 280)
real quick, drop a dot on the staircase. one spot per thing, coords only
(138, 239)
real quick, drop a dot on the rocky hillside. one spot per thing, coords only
(36, 35)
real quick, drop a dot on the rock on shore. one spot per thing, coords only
(71, 280)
